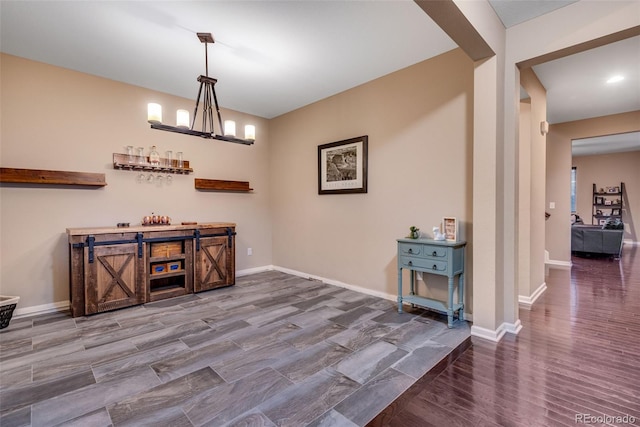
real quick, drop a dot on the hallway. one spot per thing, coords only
(576, 358)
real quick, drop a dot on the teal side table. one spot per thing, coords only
(433, 257)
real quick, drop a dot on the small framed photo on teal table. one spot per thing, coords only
(450, 228)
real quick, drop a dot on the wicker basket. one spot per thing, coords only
(7, 305)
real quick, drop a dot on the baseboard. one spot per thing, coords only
(254, 270)
(556, 263)
(337, 283)
(41, 309)
(527, 301)
(630, 243)
(64, 305)
(513, 328)
(496, 336)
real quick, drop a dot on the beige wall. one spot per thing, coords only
(607, 170)
(532, 199)
(419, 125)
(524, 198)
(558, 227)
(558, 191)
(59, 119)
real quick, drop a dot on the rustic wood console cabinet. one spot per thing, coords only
(114, 267)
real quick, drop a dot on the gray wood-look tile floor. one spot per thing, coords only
(273, 350)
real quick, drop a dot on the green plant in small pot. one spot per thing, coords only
(414, 232)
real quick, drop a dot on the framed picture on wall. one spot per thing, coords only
(615, 211)
(450, 228)
(342, 166)
(599, 200)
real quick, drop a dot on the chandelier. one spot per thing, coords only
(208, 92)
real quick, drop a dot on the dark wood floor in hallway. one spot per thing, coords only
(576, 360)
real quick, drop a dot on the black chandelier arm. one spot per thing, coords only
(215, 99)
(195, 110)
(206, 135)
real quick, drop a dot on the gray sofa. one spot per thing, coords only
(594, 240)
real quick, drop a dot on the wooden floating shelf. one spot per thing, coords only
(141, 163)
(50, 177)
(221, 185)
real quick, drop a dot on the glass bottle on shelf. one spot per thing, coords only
(180, 160)
(141, 158)
(154, 157)
(130, 153)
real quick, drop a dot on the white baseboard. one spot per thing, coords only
(527, 301)
(391, 297)
(337, 283)
(255, 270)
(513, 328)
(631, 243)
(41, 309)
(556, 263)
(64, 305)
(496, 336)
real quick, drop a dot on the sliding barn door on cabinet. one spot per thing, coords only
(214, 263)
(114, 278)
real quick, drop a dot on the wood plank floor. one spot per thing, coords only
(274, 350)
(578, 353)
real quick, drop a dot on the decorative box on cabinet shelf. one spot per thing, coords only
(112, 267)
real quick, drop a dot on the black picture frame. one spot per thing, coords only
(599, 200)
(343, 166)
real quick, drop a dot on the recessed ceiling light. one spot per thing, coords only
(615, 79)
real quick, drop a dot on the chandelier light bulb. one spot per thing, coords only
(154, 113)
(250, 132)
(229, 128)
(182, 118)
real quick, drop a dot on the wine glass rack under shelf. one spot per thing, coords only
(141, 163)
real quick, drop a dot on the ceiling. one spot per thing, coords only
(271, 57)
(619, 143)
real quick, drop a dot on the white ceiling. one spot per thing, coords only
(607, 144)
(271, 57)
(513, 12)
(577, 85)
